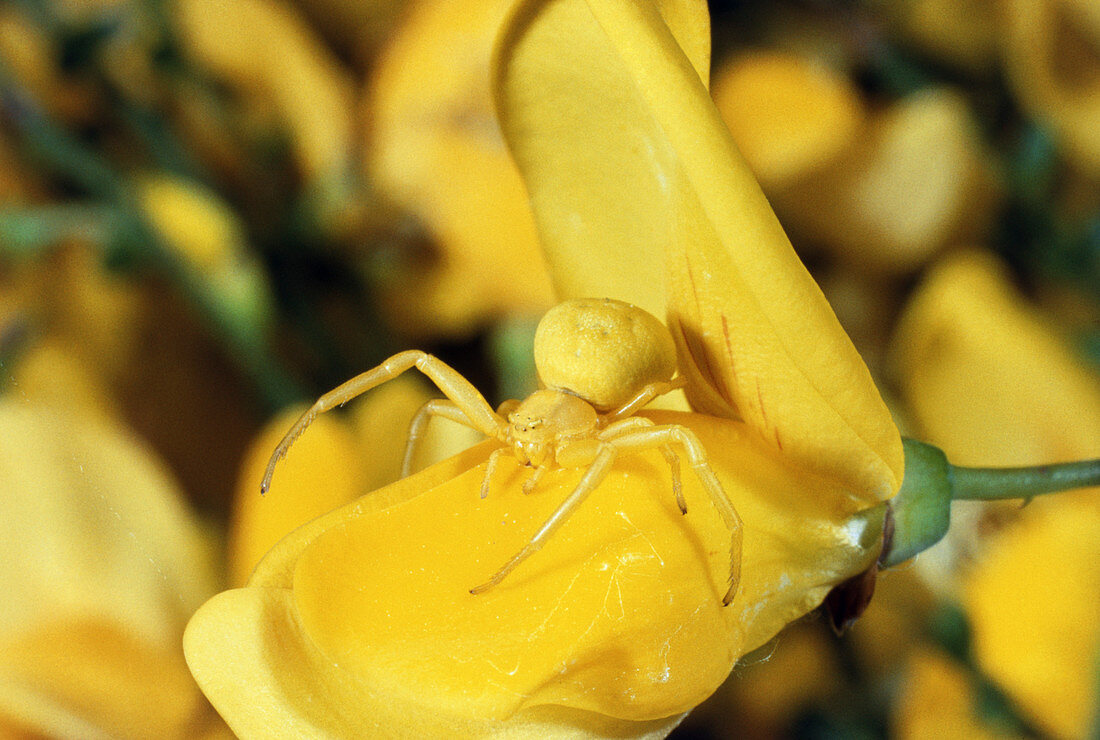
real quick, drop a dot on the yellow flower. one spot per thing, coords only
(939, 701)
(1036, 618)
(989, 380)
(881, 189)
(1051, 60)
(435, 149)
(361, 623)
(100, 566)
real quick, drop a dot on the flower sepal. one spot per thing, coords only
(922, 508)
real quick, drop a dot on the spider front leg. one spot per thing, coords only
(459, 390)
(588, 482)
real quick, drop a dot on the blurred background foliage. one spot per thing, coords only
(214, 210)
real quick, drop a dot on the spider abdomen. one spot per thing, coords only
(602, 350)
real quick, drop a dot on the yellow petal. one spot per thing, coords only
(265, 49)
(1035, 616)
(1052, 63)
(939, 701)
(591, 155)
(322, 472)
(634, 177)
(987, 378)
(435, 149)
(361, 622)
(917, 179)
(789, 115)
(100, 566)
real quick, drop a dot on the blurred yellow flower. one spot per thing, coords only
(789, 115)
(267, 53)
(882, 189)
(939, 701)
(1050, 53)
(435, 149)
(100, 565)
(989, 380)
(360, 623)
(1036, 617)
(201, 230)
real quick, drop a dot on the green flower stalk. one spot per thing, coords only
(922, 508)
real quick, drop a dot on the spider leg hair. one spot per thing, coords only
(447, 379)
(588, 483)
(435, 407)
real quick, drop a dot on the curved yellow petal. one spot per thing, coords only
(987, 378)
(361, 622)
(266, 49)
(1035, 615)
(590, 153)
(323, 472)
(636, 183)
(100, 566)
(434, 148)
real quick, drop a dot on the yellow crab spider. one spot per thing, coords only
(601, 361)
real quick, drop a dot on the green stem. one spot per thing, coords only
(922, 508)
(994, 484)
(58, 152)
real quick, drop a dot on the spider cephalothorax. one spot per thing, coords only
(600, 361)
